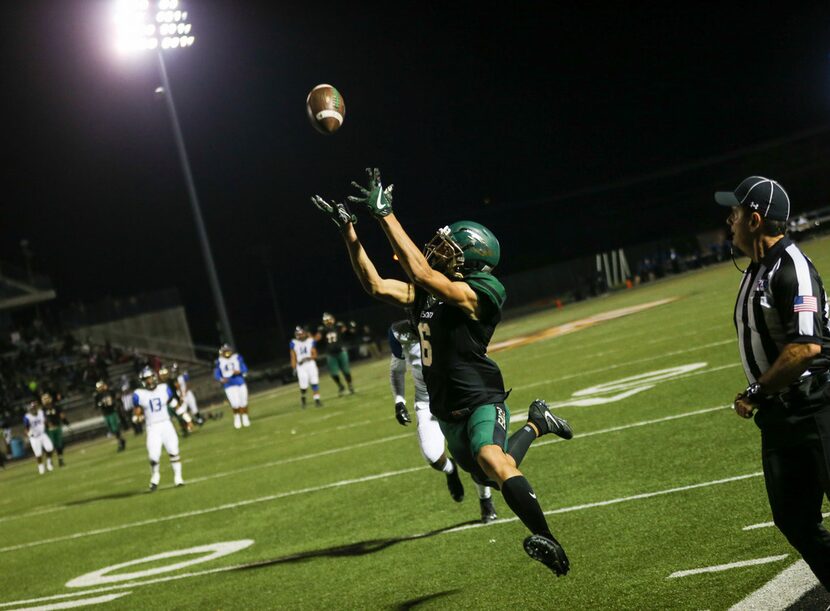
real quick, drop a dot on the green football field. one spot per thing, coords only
(334, 508)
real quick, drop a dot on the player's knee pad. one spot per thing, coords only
(315, 387)
(175, 458)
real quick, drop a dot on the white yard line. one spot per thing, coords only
(285, 461)
(519, 416)
(499, 522)
(29, 514)
(633, 425)
(770, 524)
(782, 591)
(198, 512)
(646, 359)
(74, 603)
(726, 567)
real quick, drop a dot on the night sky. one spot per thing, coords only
(565, 130)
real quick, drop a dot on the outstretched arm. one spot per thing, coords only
(417, 268)
(389, 290)
(385, 289)
(378, 201)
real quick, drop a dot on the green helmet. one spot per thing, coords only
(461, 248)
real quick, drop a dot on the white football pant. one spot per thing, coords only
(430, 436)
(237, 395)
(190, 401)
(307, 373)
(41, 443)
(161, 434)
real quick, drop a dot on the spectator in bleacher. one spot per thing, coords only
(107, 402)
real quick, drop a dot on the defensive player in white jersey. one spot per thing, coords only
(152, 399)
(182, 379)
(230, 372)
(405, 346)
(35, 423)
(303, 354)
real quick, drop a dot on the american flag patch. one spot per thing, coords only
(805, 303)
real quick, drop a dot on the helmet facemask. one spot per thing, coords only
(444, 255)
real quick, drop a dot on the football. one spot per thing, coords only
(326, 109)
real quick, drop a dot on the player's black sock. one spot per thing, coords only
(519, 443)
(338, 382)
(520, 497)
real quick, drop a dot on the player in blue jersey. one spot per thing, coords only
(230, 372)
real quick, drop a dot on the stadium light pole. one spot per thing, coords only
(159, 26)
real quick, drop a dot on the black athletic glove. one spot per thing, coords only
(401, 414)
(337, 212)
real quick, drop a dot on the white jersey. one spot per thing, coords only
(182, 381)
(410, 344)
(154, 403)
(36, 423)
(302, 349)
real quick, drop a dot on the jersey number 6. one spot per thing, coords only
(426, 347)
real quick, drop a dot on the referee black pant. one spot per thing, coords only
(797, 476)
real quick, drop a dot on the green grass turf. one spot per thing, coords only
(345, 515)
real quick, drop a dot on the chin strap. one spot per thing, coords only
(734, 262)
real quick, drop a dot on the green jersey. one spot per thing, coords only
(54, 416)
(458, 374)
(106, 402)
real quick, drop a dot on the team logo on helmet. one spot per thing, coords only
(461, 248)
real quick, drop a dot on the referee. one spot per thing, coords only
(784, 342)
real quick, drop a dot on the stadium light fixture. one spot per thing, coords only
(161, 26)
(142, 25)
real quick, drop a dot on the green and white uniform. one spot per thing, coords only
(465, 386)
(107, 402)
(54, 424)
(337, 358)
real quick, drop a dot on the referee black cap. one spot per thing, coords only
(762, 195)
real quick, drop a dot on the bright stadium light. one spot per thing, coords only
(161, 26)
(141, 25)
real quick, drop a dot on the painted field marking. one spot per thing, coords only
(726, 567)
(520, 416)
(208, 552)
(782, 591)
(197, 512)
(627, 363)
(499, 522)
(71, 604)
(770, 524)
(575, 325)
(633, 425)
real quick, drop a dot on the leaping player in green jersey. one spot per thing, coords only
(456, 303)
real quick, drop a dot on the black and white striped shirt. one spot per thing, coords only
(781, 301)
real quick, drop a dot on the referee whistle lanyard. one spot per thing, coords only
(734, 262)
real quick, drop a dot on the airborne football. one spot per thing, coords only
(326, 109)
